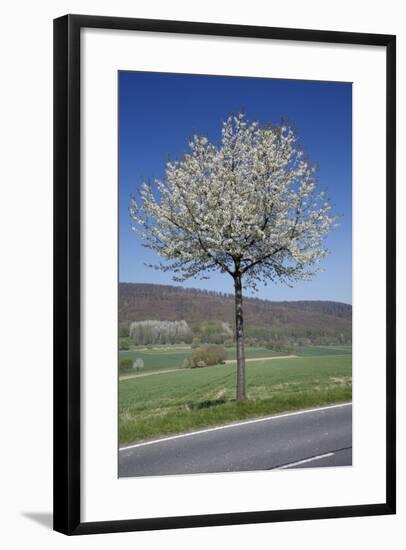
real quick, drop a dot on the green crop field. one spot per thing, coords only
(172, 357)
(157, 359)
(254, 352)
(312, 351)
(174, 402)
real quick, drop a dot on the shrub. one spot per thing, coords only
(251, 341)
(211, 331)
(196, 342)
(125, 364)
(124, 329)
(275, 345)
(125, 344)
(138, 364)
(207, 356)
(229, 343)
(326, 341)
(304, 341)
(280, 345)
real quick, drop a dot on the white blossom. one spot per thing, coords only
(248, 205)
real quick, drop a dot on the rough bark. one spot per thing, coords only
(239, 330)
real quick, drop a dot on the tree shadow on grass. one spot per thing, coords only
(207, 404)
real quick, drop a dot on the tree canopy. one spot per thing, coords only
(249, 205)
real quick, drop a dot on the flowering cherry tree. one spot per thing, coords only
(248, 206)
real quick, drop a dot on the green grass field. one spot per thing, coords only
(312, 351)
(156, 359)
(174, 402)
(166, 358)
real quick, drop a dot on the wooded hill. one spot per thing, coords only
(263, 319)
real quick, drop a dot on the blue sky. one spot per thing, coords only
(158, 113)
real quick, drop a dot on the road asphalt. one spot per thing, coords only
(315, 438)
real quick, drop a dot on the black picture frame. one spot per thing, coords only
(67, 294)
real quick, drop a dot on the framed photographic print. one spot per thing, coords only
(224, 302)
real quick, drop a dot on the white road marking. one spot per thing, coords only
(235, 425)
(304, 461)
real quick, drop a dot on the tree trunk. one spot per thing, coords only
(239, 331)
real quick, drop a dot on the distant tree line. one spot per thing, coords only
(279, 337)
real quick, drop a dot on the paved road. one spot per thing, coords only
(315, 438)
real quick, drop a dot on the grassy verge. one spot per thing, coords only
(185, 419)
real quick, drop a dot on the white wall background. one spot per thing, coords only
(26, 291)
